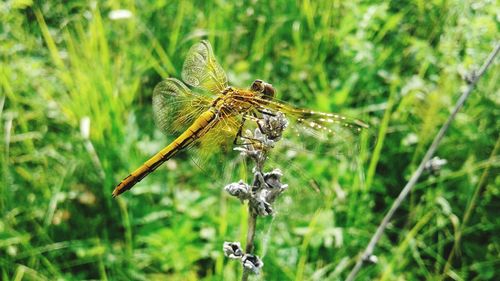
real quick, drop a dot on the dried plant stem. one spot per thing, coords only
(252, 219)
(252, 222)
(365, 256)
(265, 189)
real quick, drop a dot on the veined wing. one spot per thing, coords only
(218, 140)
(316, 122)
(175, 107)
(202, 70)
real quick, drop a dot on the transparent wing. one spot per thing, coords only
(315, 144)
(175, 107)
(221, 136)
(316, 119)
(201, 69)
(312, 122)
(216, 147)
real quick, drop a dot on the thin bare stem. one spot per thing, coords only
(416, 175)
(252, 223)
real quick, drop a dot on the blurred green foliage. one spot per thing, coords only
(398, 65)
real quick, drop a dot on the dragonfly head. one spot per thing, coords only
(266, 89)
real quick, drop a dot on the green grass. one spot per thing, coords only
(397, 65)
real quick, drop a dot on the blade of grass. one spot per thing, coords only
(470, 208)
(381, 135)
(299, 275)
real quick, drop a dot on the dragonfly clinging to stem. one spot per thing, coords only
(215, 112)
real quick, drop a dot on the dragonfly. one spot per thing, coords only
(213, 112)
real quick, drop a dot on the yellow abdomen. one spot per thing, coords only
(199, 127)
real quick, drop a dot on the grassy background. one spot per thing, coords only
(398, 65)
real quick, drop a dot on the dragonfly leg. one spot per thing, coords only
(257, 120)
(263, 111)
(240, 135)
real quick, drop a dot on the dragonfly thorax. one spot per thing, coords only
(234, 101)
(227, 90)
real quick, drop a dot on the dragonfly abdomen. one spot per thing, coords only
(199, 127)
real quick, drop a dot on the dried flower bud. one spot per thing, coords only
(470, 77)
(273, 178)
(232, 250)
(239, 189)
(256, 148)
(273, 186)
(252, 263)
(434, 165)
(273, 125)
(259, 204)
(372, 259)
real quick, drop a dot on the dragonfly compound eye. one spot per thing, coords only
(269, 91)
(258, 86)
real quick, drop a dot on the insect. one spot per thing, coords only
(213, 111)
